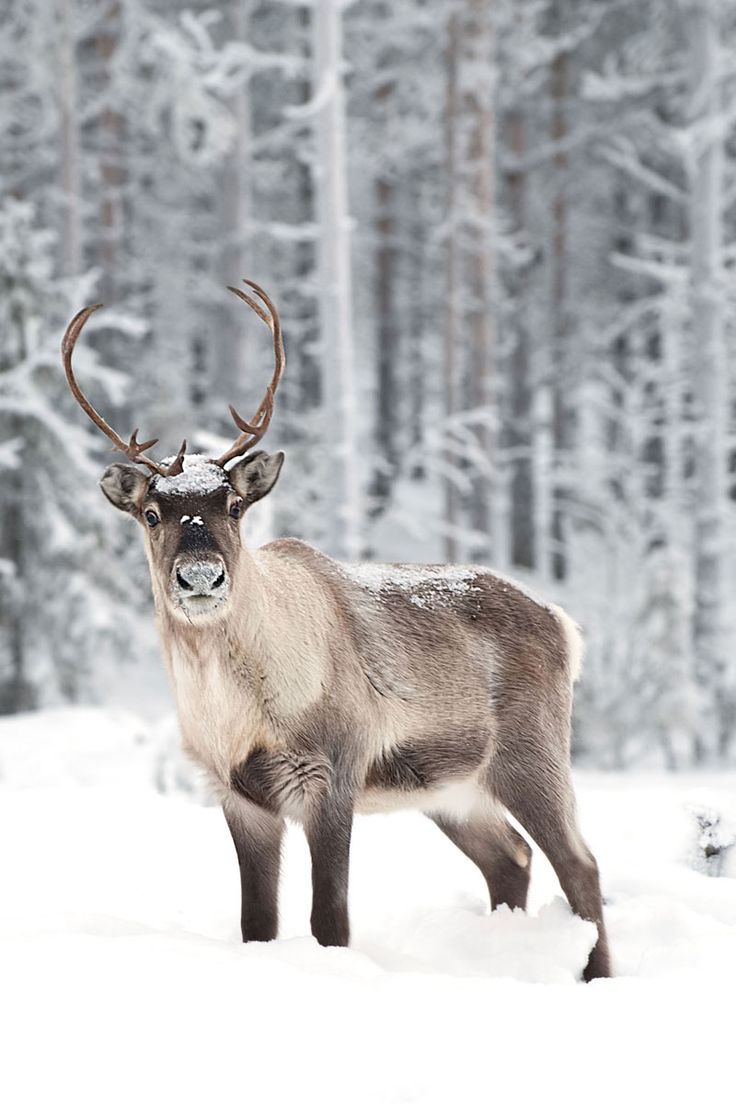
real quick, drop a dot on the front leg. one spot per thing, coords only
(328, 829)
(257, 837)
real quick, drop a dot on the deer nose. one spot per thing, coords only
(200, 577)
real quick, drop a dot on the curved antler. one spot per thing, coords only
(253, 431)
(250, 432)
(134, 449)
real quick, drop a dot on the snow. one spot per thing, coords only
(123, 974)
(438, 582)
(200, 476)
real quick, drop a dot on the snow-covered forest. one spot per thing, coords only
(500, 236)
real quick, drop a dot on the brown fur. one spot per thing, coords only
(305, 692)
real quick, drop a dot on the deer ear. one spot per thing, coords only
(124, 486)
(256, 475)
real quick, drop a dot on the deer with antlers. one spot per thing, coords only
(310, 689)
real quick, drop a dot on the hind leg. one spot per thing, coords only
(539, 794)
(500, 853)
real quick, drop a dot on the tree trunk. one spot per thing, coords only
(387, 351)
(111, 129)
(339, 398)
(71, 237)
(17, 692)
(450, 368)
(417, 322)
(542, 464)
(234, 337)
(559, 93)
(520, 392)
(479, 53)
(708, 365)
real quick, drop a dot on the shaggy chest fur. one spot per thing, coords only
(229, 703)
(218, 723)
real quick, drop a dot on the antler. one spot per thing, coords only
(134, 449)
(251, 432)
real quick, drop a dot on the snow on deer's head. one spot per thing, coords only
(190, 507)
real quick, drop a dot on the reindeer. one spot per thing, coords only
(312, 689)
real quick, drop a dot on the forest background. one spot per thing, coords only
(501, 236)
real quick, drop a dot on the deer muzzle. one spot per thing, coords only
(198, 582)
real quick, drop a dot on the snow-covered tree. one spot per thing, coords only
(59, 588)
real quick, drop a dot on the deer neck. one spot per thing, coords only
(269, 647)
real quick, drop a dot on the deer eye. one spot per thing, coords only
(152, 518)
(236, 510)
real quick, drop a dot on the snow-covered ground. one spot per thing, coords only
(122, 977)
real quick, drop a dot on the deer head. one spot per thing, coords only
(190, 507)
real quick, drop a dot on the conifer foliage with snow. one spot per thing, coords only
(501, 237)
(58, 579)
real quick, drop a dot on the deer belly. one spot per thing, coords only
(440, 775)
(454, 800)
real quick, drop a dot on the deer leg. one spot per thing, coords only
(541, 799)
(257, 837)
(500, 853)
(328, 828)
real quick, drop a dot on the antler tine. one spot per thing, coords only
(278, 340)
(177, 467)
(134, 449)
(252, 304)
(253, 431)
(240, 422)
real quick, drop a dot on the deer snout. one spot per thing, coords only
(199, 578)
